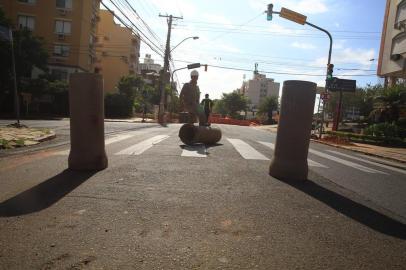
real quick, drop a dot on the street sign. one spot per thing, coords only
(293, 16)
(343, 85)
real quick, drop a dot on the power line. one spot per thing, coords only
(281, 73)
(294, 29)
(145, 24)
(273, 33)
(158, 51)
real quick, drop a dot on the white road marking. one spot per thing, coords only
(311, 163)
(370, 162)
(141, 147)
(345, 162)
(106, 142)
(387, 162)
(194, 151)
(246, 150)
(118, 138)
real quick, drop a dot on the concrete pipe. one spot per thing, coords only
(86, 104)
(190, 134)
(293, 137)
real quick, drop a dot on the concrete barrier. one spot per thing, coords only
(86, 104)
(293, 136)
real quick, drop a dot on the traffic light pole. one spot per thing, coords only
(302, 19)
(328, 64)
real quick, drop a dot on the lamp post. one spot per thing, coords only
(182, 42)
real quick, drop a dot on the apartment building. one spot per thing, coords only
(149, 66)
(258, 88)
(67, 26)
(117, 50)
(392, 55)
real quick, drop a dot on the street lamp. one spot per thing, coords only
(183, 41)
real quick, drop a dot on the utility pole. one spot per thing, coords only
(164, 79)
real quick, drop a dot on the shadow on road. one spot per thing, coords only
(45, 194)
(352, 209)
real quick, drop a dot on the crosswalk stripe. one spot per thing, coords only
(194, 151)
(246, 150)
(345, 162)
(387, 162)
(369, 162)
(141, 147)
(106, 142)
(311, 163)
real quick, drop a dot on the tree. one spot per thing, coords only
(234, 102)
(130, 86)
(268, 105)
(29, 51)
(389, 102)
(219, 107)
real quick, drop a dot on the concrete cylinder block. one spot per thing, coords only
(191, 134)
(86, 104)
(293, 137)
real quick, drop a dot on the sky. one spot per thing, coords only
(236, 34)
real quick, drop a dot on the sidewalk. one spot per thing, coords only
(391, 153)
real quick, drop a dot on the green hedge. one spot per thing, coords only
(117, 105)
(354, 137)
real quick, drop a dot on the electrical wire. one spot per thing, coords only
(146, 37)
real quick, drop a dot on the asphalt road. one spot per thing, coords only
(162, 205)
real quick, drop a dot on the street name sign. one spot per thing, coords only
(293, 16)
(342, 85)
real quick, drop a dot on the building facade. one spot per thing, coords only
(258, 88)
(392, 55)
(68, 28)
(149, 66)
(117, 51)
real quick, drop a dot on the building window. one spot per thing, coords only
(31, 2)
(66, 4)
(26, 22)
(62, 27)
(61, 50)
(60, 74)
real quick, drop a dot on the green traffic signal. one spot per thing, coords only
(330, 71)
(269, 12)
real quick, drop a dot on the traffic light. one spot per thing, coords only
(330, 72)
(195, 65)
(269, 12)
(205, 67)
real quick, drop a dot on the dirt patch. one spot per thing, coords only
(337, 140)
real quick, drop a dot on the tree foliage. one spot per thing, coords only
(29, 51)
(130, 86)
(268, 105)
(219, 107)
(234, 102)
(374, 101)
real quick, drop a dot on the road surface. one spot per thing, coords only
(163, 205)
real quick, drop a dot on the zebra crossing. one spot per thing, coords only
(245, 151)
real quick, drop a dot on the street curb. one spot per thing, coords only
(366, 153)
(47, 137)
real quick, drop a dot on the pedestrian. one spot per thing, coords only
(190, 97)
(207, 104)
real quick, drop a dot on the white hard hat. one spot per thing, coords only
(194, 73)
